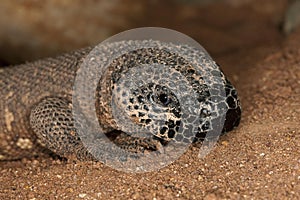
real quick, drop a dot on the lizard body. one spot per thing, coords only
(36, 102)
(23, 87)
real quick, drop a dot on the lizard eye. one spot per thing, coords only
(164, 99)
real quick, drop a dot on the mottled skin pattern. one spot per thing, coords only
(23, 87)
(36, 106)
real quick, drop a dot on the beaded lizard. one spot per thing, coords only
(36, 103)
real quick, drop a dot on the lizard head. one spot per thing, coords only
(152, 90)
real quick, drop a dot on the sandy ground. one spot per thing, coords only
(258, 160)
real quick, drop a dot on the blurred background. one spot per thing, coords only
(31, 29)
